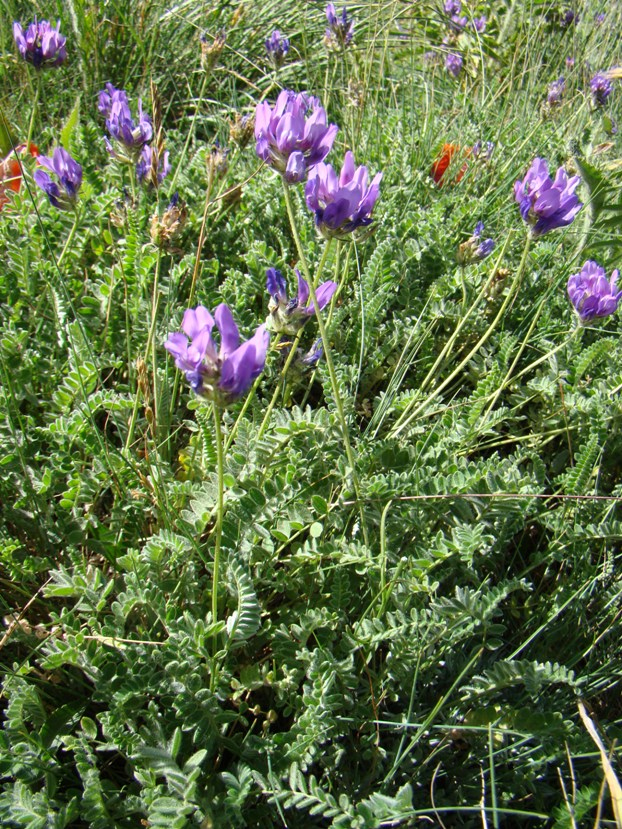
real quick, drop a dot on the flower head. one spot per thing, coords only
(108, 96)
(547, 203)
(289, 315)
(341, 204)
(475, 249)
(556, 90)
(313, 355)
(453, 64)
(453, 7)
(152, 167)
(601, 88)
(216, 161)
(479, 23)
(293, 136)
(165, 230)
(221, 375)
(568, 17)
(129, 137)
(277, 47)
(592, 294)
(241, 129)
(477, 150)
(63, 194)
(40, 44)
(11, 171)
(442, 163)
(211, 49)
(340, 28)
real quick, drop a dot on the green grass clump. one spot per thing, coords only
(383, 625)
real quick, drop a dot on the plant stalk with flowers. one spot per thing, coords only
(327, 355)
(221, 376)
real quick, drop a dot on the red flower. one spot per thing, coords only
(439, 168)
(11, 171)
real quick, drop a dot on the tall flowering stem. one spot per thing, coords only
(220, 505)
(35, 107)
(292, 353)
(328, 356)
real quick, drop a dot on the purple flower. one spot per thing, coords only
(108, 96)
(277, 47)
(568, 17)
(601, 88)
(453, 64)
(289, 315)
(341, 205)
(453, 7)
(152, 167)
(556, 90)
(129, 137)
(293, 136)
(475, 249)
(224, 375)
(590, 292)
(544, 203)
(40, 45)
(599, 19)
(479, 23)
(609, 125)
(313, 355)
(570, 62)
(64, 194)
(340, 29)
(476, 150)
(459, 22)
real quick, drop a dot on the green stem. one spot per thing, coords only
(182, 157)
(383, 551)
(292, 353)
(247, 402)
(33, 114)
(328, 357)
(69, 239)
(219, 510)
(403, 422)
(523, 345)
(201, 242)
(277, 389)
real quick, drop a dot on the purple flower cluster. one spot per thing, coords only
(601, 88)
(220, 375)
(555, 92)
(477, 150)
(294, 138)
(293, 135)
(40, 44)
(592, 294)
(289, 315)
(545, 203)
(568, 17)
(453, 64)
(341, 205)
(453, 9)
(152, 167)
(129, 137)
(64, 194)
(277, 47)
(475, 249)
(340, 29)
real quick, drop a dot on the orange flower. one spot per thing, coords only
(11, 171)
(439, 168)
